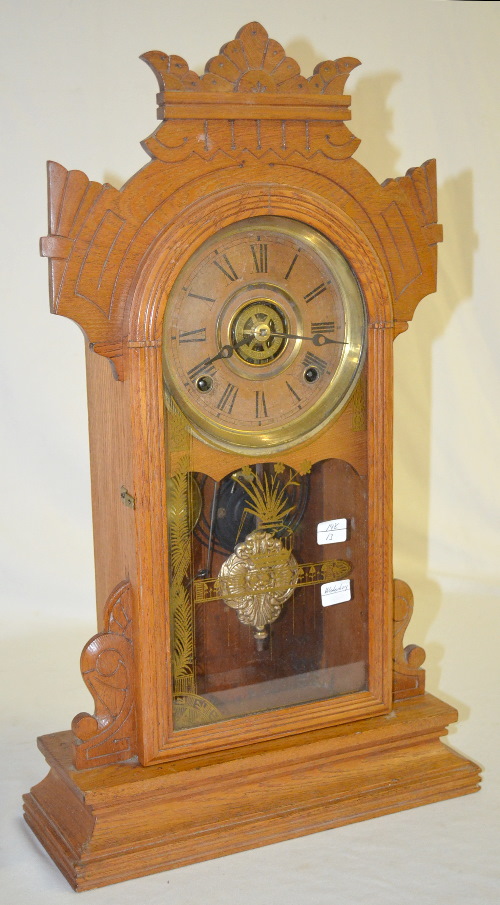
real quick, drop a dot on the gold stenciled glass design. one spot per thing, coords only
(264, 335)
(248, 626)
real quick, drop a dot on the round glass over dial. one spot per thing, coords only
(264, 335)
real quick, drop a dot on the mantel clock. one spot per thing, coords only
(240, 297)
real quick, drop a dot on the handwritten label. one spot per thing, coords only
(332, 532)
(335, 592)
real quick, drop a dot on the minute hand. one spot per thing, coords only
(319, 339)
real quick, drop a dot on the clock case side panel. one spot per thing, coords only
(112, 479)
(305, 196)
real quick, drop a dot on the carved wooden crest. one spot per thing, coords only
(251, 80)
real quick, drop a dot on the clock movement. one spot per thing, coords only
(240, 297)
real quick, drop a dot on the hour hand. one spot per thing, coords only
(227, 350)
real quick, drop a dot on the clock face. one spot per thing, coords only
(264, 335)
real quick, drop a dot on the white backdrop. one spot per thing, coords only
(74, 90)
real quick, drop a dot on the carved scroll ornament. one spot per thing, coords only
(108, 736)
(408, 677)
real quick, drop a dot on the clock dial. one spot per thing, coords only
(263, 335)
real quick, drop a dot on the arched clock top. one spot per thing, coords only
(251, 118)
(205, 217)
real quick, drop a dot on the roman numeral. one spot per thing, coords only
(260, 258)
(202, 298)
(293, 391)
(287, 274)
(323, 327)
(313, 361)
(260, 404)
(226, 401)
(315, 292)
(205, 367)
(193, 336)
(230, 273)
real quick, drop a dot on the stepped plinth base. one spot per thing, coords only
(113, 823)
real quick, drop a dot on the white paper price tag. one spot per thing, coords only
(335, 592)
(332, 532)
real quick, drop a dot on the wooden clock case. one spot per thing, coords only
(126, 794)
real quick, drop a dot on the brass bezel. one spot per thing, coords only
(342, 383)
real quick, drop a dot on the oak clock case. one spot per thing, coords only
(239, 297)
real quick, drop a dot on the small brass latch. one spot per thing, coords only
(127, 498)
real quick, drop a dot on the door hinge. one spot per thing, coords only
(127, 498)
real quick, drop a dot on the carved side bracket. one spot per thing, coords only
(85, 225)
(408, 677)
(109, 736)
(409, 221)
(73, 201)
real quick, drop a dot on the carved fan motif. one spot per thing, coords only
(253, 62)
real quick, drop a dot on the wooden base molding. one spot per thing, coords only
(103, 825)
